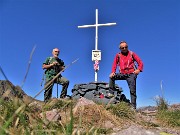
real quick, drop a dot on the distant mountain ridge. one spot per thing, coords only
(8, 92)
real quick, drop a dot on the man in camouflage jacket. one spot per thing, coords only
(53, 66)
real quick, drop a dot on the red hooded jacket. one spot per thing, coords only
(126, 63)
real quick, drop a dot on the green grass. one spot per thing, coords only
(17, 118)
(167, 117)
(122, 110)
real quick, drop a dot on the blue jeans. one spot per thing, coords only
(131, 81)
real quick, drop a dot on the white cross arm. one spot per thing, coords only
(87, 26)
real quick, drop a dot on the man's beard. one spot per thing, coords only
(124, 53)
(56, 55)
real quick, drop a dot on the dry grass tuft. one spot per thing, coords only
(95, 115)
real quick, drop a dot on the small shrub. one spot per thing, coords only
(161, 104)
(122, 110)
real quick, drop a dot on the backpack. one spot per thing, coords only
(43, 77)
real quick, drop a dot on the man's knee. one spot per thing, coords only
(67, 82)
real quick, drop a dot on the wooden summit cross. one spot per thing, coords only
(96, 54)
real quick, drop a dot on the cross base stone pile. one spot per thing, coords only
(98, 92)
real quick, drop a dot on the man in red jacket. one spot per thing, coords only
(127, 70)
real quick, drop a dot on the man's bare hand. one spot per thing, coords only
(62, 67)
(54, 63)
(137, 71)
(112, 75)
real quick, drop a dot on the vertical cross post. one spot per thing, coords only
(96, 38)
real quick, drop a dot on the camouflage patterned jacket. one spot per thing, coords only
(53, 71)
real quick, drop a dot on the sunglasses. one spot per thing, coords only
(56, 51)
(123, 47)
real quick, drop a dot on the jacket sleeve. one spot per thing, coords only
(115, 62)
(139, 61)
(46, 62)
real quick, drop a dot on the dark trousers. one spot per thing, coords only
(131, 81)
(48, 90)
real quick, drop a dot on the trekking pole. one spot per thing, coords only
(57, 86)
(42, 79)
(55, 77)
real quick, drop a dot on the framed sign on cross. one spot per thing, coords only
(96, 55)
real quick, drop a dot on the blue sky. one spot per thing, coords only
(150, 27)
